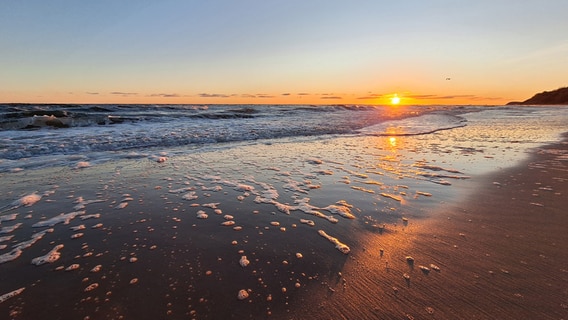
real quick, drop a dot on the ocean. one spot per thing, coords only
(38, 132)
(43, 135)
(219, 211)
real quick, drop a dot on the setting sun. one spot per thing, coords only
(395, 99)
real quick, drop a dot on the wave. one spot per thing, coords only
(424, 124)
(52, 131)
(30, 116)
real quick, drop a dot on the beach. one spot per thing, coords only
(501, 254)
(459, 219)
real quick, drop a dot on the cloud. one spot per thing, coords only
(486, 98)
(165, 95)
(213, 95)
(303, 94)
(125, 94)
(286, 94)
(422, 96)
(450, 97)
(437, 97)
(428, 97)
(254, 96)
(374, 96)
(331, 97)
(93, 93)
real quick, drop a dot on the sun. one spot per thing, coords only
(395, 100)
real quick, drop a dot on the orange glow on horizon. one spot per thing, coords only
(133, 96)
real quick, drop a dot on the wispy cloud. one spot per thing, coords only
(214, 95)
(124, 94)
(438, 97)
(428, 97)
(470, 97)
(254, 96)
(331, 97)
(486, 98)
(92, 93)
(373, 96)
(165, 95)
(286, 94)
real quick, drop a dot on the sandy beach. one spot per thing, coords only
(501, 254)
(362, 227)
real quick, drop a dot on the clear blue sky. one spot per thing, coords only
(281, 51)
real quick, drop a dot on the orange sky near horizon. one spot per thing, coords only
(405, 98)
(294, 52)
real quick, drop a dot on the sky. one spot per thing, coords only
(483, 52)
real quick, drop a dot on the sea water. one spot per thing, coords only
(56, 134)
(47, 135)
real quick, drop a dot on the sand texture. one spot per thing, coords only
(499, 254)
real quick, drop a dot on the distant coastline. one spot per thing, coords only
(556, 97)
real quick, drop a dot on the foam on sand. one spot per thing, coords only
(202, 215)
(65, 218)
(11, 294)
(242, 295)
(343, 211)
(82, 165)
(391, 196)
(244, 261)
(49, 257)
(12, 255)
(17, 250)
(27, 200)
(338, 245)
(8, 217)
(6, 238)
(10, 229)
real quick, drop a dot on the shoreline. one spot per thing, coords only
(501, 253)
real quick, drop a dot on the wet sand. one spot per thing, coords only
(156, 244)
(501, 254)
